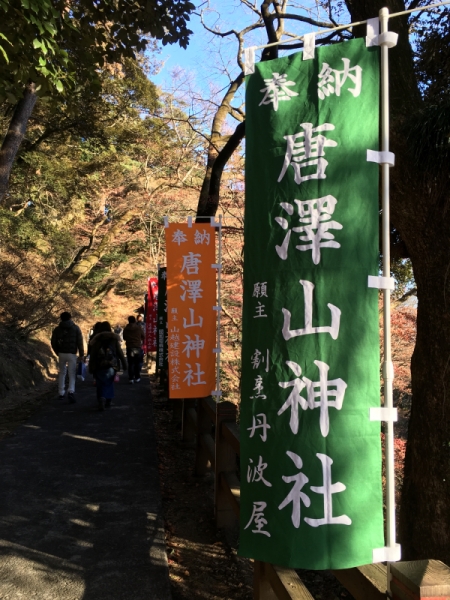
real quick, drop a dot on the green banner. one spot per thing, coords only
(162, 332)
(311, 494)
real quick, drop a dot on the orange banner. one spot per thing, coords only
(191, 297)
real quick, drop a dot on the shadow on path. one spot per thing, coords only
(80, 506)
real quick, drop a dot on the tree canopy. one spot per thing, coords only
(57, 44)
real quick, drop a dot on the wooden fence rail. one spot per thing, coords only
(212, 427)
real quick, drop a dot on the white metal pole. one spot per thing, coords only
(388, 371)
(219, 273)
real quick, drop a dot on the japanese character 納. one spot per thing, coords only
(332, 80)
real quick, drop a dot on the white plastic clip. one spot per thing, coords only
(388, 38)
(217, 350)
(217, 308)
(381, 413)
(214, 223)
(382, 158)
(372, 31)
(249, 60)
(189, 221)
(166, 221)
(387, 554)
(309, 46)
(381, 283)
(216, 393)
(218, 267)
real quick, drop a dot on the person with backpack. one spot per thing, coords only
(106, 357)
(133, 335)
(66, 341)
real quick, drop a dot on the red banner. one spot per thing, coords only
(151, 316)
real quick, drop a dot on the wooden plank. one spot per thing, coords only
(231, 485)
(424, 578)
(368, 582)
(286, 584)
(230, 432)
(188, 432)
(192, 416)
(210, 406)
(207, 443)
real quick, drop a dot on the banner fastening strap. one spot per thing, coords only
(166, 221)
(386, 554)
(249, 60)
(381, 413)
(217, 350)
(382, 158)
(215, 223)
(309, 46)
(381, 283)
(189, 221)
(217, 308)
(215, 266)
(216, 393)
(372, 32)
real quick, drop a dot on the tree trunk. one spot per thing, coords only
(86, 262)
(15, 135)
(215, 177)
(204, 203)
(425, 505)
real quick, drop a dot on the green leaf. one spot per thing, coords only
(49, 27)
(5, 56)
(11, 98)
(59, 86)
(36, 43)
(25, 4)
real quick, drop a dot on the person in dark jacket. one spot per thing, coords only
(133, 335)
(106, 355)
(66, 341)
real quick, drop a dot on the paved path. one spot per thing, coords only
(80, 506)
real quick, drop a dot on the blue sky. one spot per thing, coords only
(202, 58)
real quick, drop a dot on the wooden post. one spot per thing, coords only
(420, 580)
(262, 589)
(177, 412)
(277, 583)
(188, 429)
(204, 427)
(225, 462)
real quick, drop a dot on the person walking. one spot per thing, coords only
(66, 341)
(106, 356)
(119, 331)
(133, 336)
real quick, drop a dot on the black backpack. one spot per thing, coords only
(107, 356)
(63, 338)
